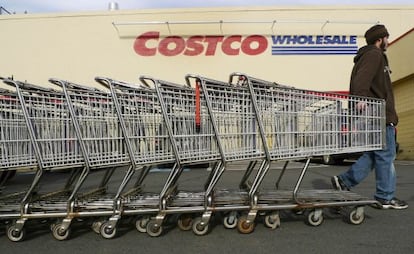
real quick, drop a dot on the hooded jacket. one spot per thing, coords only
(370, 77)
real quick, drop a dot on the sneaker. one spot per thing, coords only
(394, 203)
(338, 184)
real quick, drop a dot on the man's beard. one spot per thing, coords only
(383, 46)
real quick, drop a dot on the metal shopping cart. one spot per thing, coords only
(101, 144)
(15, 148)
(16, 153)
(148, 145)
(72, 130)
(192, 143)
(10, 131)
(236, 127)
(48, 138)
(138, 127)
(299, 123)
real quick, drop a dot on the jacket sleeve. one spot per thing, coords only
(369, 65)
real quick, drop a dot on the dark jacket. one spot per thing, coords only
(371, 77)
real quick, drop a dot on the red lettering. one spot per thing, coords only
(226, 46)
(171, 40)
(246, 46)
(194, 46)
(140, 44)
(212, 42)
(150, 43)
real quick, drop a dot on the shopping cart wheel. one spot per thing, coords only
(185, 222)
(14, 234)
(272, 220)
(354, 215)
(141, 224)
(153, 228)
(59, 233)
(314, 217)
(244, 226)
(199, 227)
(107, 230)
(230, 220)
(96, 226)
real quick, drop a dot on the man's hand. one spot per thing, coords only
(361, 106)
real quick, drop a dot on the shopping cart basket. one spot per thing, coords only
(16, 152)
(192, 143)
(301, 124)
(53, 144)
(101, 145)
(148, 145)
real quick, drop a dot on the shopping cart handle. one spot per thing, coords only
(8, 82)
(158, 82)
(27, 86)
(238, 75)
(106, 82)
(68, 84)
(5, 91)
(145, 79)
(56, 81)
(188, 78)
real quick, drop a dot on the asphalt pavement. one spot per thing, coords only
(383, 231)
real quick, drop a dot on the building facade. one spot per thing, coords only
(401, 56)
(306, 47)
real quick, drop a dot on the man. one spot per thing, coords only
(371, 77)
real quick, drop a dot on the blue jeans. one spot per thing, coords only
(383, 163)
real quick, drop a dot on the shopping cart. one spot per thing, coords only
(15, 148)
(138, 127)
(237, 131)
(299, 124)
(16, 153)
(101, 145)
(192, 143)
(48, 138)
(148, 145)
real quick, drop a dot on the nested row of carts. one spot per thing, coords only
(132, 128)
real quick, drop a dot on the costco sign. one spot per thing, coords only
(152, 44)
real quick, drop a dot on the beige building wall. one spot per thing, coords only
(80, 46)
(401, 57)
